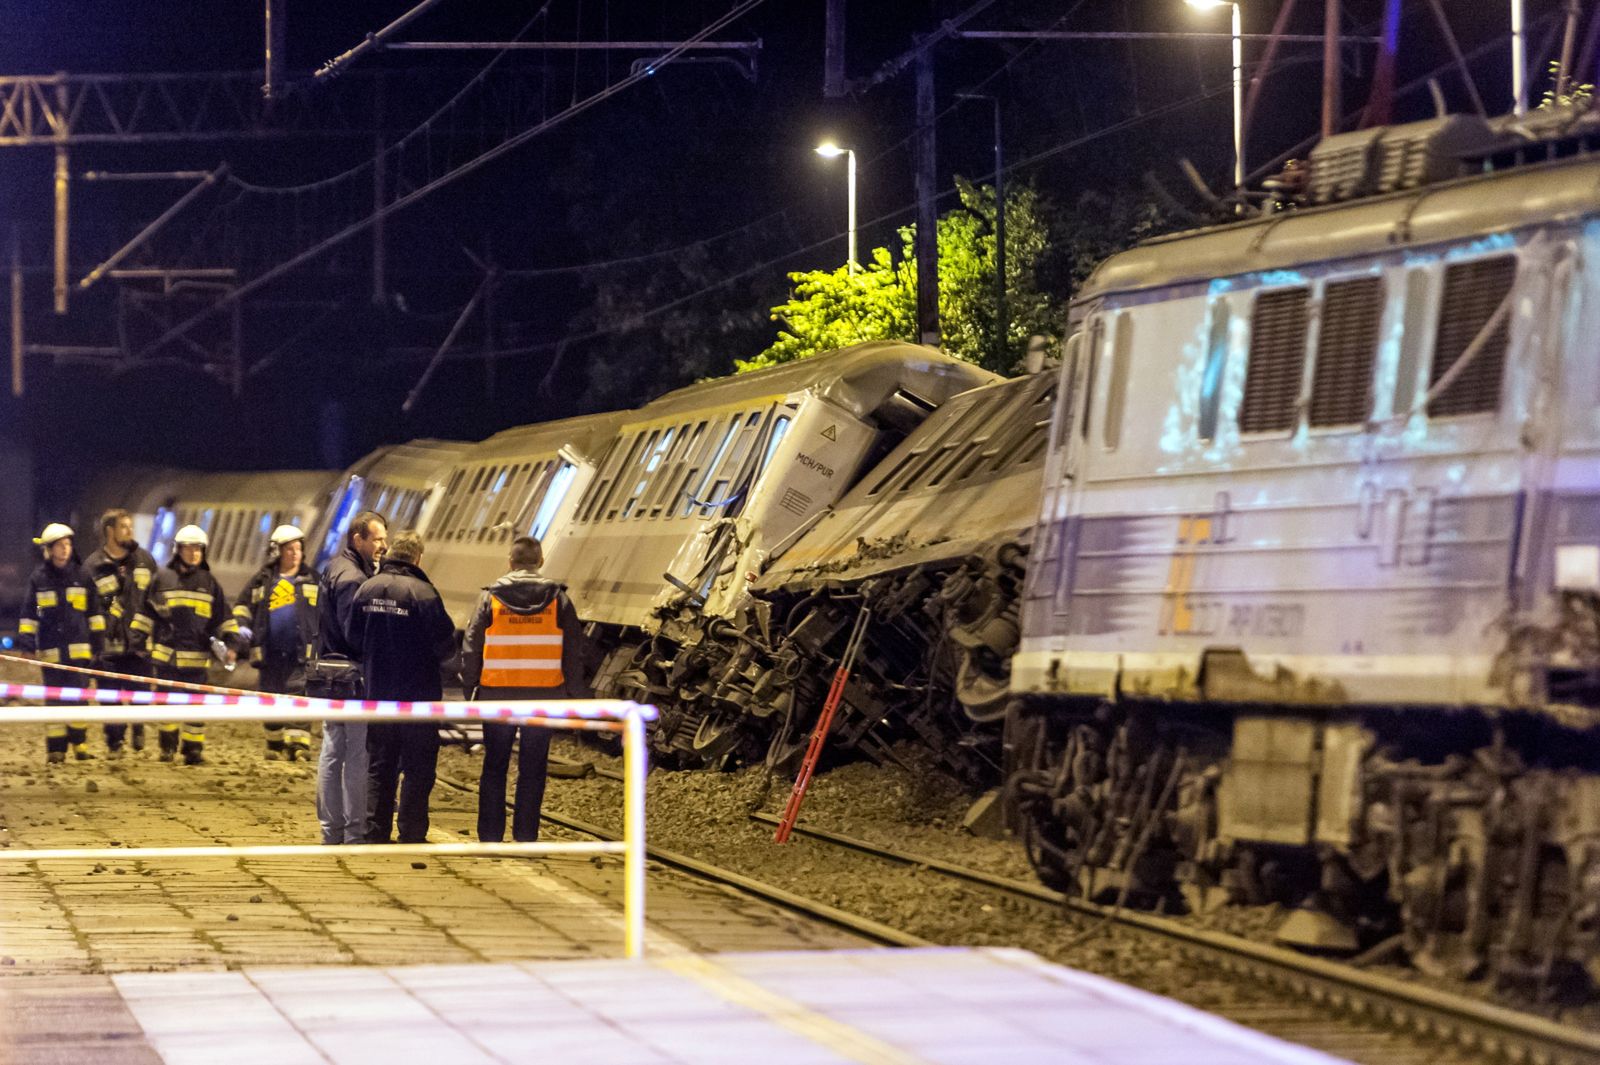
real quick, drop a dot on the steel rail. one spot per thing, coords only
(862, 926)
(1474, 1025)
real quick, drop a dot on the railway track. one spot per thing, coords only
(1317, 995)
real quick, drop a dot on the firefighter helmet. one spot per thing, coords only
(53, 532)
(190, 534)
(286, 534)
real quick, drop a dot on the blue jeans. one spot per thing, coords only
(342, 782)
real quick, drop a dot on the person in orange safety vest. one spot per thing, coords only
(524, 642)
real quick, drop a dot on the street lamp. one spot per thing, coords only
(830, 150)
(1002, 323)
(1238, 83)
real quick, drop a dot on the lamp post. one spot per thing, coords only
(1238, 83)
(830, 150)
(1002, 321)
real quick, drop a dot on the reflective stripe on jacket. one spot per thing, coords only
(61, 617)
(522, 650)
(184, 610)
(123, 584)
(254, 608)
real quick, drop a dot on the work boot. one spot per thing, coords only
(275, 749)
(138, 737)
(167, 756)
(80, 751)
(297, 742)
(55, 756)
(194, 758)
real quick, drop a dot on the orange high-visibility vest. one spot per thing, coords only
(522, 650)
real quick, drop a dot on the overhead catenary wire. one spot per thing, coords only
(482, 159)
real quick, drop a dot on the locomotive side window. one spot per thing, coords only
(1347, 343)
(1211, 374)
(1117, 383)
(1473, 292)
(1277, 362)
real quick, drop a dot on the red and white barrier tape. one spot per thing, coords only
(109, 675)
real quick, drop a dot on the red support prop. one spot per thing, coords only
(819, 735)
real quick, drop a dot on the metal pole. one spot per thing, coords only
(277, 56)
(1569, 42)
(1331, 73)
(1238, 98)
(850, 167)
(16, 313)
(379, 191)
(634, 770)
(927, 179)
(1519, 59)
(1002, 319)
(206, 181)
(63, 179)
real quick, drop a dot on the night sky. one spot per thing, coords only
(697, 162)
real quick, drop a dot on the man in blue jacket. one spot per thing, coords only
(342, 764)
(403, 635)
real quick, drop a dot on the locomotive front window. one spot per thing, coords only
(1476, 296)
(1277, 362)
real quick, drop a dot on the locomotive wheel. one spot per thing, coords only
(716, 738)
(1047, 856)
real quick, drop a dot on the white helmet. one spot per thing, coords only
(191, 534)
(286, 534)
(53, 532)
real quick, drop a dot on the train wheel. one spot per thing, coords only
(717, 737)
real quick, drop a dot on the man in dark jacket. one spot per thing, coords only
(399, 627)
(342, 765)
(524, 642)
(61, 622)
(186, 622)
(122, 572)
(279, 609)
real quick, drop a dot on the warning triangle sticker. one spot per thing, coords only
(831, 433)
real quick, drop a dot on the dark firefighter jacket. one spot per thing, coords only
(61, 619)
(254, 607)
(525, 593)
(123, 584)
(402, 634)
(346, 573)
(184, 610)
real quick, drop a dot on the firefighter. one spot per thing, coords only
(61, 622)
(122, 572)
(278, 608)
(524, 642)
(185, 621)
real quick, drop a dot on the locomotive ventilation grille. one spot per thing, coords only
(1345, 348)
(1277, 360)
(1472, 292)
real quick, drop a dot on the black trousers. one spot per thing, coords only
(284, 675)
(533, 757)
(135, 665)
(191, 739)
(408, 755)
(58, 737)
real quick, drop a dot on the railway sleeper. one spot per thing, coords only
(1366, 826)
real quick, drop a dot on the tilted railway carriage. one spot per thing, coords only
(701, 486)
(402, 482)
(932, 545)
(524, 481)
(1313, 613)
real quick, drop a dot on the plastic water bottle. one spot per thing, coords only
(220, 650)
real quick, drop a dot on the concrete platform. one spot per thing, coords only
(949, 1006)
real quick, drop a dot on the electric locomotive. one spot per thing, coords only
(1313, 614)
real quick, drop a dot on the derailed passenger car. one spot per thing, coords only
(701, 487)
(1313, 614)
